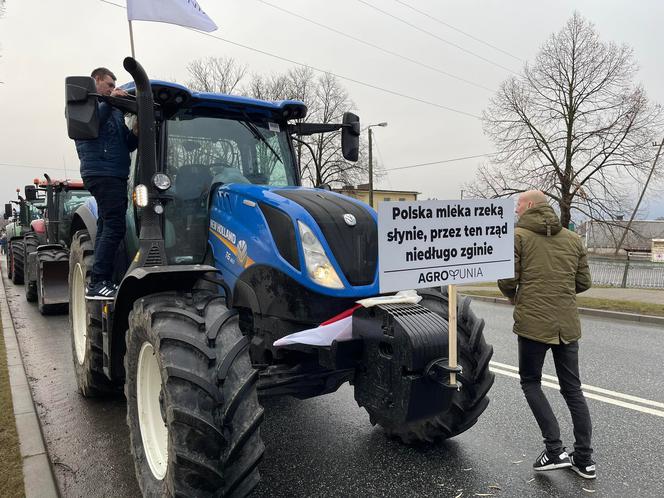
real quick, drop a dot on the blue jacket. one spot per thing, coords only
(108, 154)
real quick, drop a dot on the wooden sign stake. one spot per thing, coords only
(452, 321)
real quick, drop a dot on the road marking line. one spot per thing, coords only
(611, 401)
(587, 387)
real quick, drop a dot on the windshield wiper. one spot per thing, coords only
(259, 136)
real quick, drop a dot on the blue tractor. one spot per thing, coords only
(224, 254)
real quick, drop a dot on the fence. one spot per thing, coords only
(627, 273)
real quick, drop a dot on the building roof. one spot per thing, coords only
(603, 235)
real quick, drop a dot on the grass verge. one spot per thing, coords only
(11, 465)
(638, 307)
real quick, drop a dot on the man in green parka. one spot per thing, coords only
(550, 268)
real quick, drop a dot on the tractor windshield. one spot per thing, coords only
(202, 150)
(228, 151)
(69, 202)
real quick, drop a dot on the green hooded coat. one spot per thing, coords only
(550, 268)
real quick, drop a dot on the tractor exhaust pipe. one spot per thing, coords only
(151, 241)
(147, 151)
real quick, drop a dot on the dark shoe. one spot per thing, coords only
(549, 461)
(584, 469)
(101, 291)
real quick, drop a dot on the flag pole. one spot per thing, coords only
(131, 39)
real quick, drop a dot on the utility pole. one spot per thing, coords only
(371, 189)
(652, 170)
(370, 171)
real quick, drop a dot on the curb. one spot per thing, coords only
(615, 315)
(38, 478)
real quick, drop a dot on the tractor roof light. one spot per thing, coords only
(161, 181)
(318, 264)
(141, 195)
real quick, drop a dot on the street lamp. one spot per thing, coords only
(383, 124)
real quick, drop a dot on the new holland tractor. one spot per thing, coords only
(46, 245)
(224, 254)
(25, 216)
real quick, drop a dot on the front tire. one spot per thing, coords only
(84, 322)
(17, 262)
(192, 403)
(30, 244)
(467, 404)
(8, 257)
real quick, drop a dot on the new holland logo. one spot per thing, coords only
(242, 252)
(350, 220)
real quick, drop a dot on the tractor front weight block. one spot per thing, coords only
(400, 376)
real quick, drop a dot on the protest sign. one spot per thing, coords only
(434, 243)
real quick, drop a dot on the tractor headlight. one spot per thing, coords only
(318, 265)
(162, 181)
(141, 195)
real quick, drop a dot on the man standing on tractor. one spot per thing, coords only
(105, 170)
(550, 268)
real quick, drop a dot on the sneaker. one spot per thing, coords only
(549, 461)
(585, 470)
(101, 291)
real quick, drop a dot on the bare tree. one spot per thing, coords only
(216, 74)
(326, 102)
(572, 125)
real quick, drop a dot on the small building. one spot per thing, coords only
(361, 192)
(602, 237)
(657, 253)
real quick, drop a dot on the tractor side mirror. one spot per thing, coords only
(350, 136)
(8, 211)
(30, 193)
(81, 108)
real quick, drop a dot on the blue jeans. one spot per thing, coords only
(566, 360)
(111, 195)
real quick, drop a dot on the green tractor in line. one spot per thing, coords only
(26, 212)
(46, 244)
(226, 253)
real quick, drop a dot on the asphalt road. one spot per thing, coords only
(326, 446)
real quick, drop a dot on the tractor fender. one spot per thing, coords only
(47, 247)
(84, 219)
(139, 282)
(39, 226)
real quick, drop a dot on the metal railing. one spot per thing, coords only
(627, 273)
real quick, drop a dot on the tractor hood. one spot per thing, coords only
(345, 227)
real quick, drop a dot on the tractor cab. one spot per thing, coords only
(209, 140)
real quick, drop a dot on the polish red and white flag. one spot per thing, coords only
(338, 328)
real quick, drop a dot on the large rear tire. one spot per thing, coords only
(474, 355)
(50, 255)
(192, 403)
(30, 244)
(84, 323)
(17, 261)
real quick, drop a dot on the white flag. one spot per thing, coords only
(185, 13)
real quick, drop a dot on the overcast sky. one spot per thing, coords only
(42, 41)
